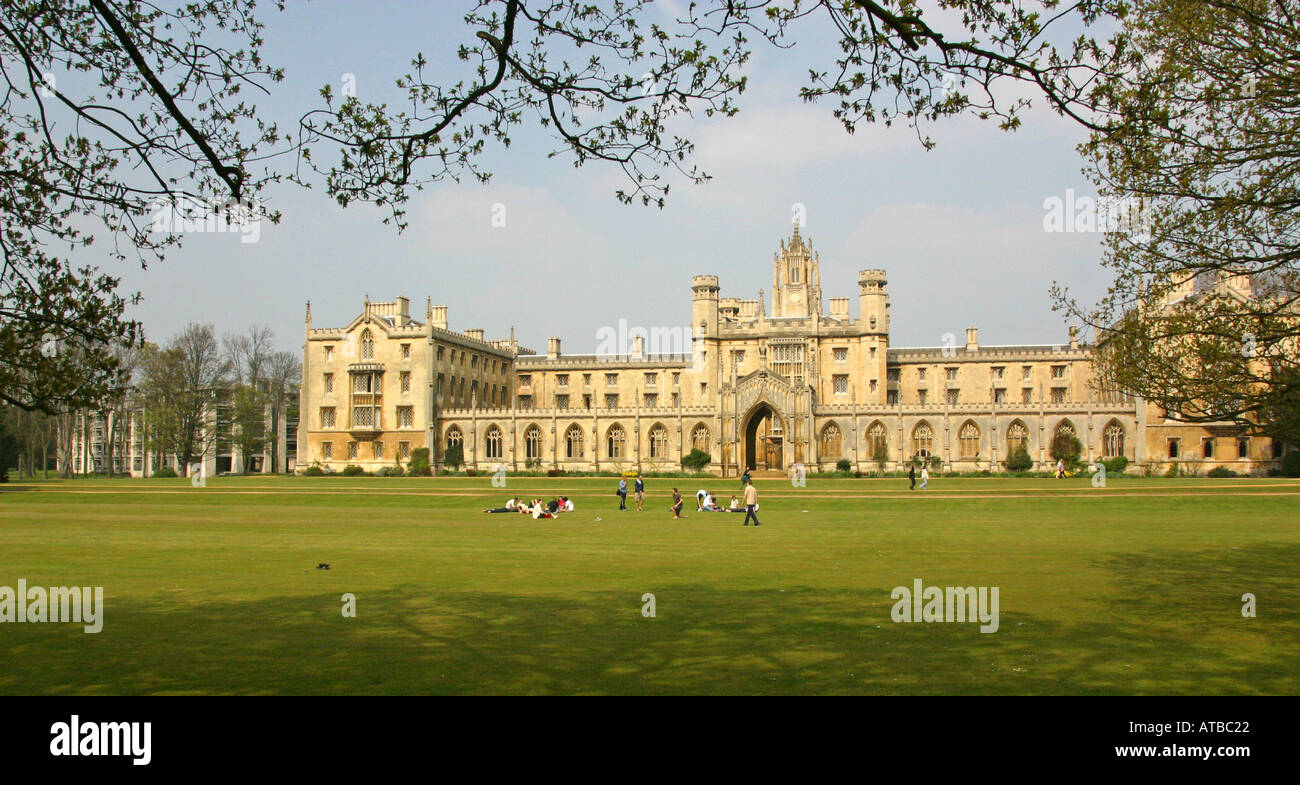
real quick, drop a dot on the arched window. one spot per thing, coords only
(1063, 429)
(454, 436)
(700, 438)
(877, 441)
(533, 442)
(970, 440)
(1017, 437)
(494, 442)
(1113, 437)
(615, 441)
(922, 440)
(367, 345)
(831, 441)
(658, 442)
(573, 442)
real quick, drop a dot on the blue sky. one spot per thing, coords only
(959, 229)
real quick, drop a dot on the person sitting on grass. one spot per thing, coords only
(510, 507)
(566, 504)
(735, 504)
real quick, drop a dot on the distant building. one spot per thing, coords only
(753, 388)
(131, 454)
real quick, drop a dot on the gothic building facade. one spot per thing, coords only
(752, 387)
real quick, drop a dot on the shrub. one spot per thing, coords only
(1291, 463)
(4, 474)
(1172, 471)
(696, 460)
(313, 471)
(165, 471)
(1115, 465)
(1019, 461)
(453, 458)
(936, 463)
(471, 473)
(418, 465)
(844, 465)
(352, 470)
(1221, 471)
(554, 472)
(1066, 447)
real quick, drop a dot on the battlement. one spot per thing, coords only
(873, 274)
(705, 284)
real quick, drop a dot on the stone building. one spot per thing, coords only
(752, 387)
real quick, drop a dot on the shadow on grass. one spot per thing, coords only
(1172, 624)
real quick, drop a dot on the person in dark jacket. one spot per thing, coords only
(911, 475)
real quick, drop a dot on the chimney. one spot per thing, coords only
(638, 346)
(1074, 337)
(552, 348)
(438, 316)
(476, 334)
(972, 339)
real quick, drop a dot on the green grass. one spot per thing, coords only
(1134, 588)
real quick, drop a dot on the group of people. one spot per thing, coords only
(925, 476)
(704, 502)
(537, 508)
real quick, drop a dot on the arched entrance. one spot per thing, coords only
(764, 440)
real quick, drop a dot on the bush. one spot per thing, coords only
(697, 459)
(165, 471)
(453, 458)
(1291, 463)
(313, 471)
(936, 463)
(554, 472)
(418, 466)
(1066, 447)
(844, 465)
(1115, 465)
(1172, 471)
(352, 470)
(1221, 471)
(471, 473)
(1019, 461)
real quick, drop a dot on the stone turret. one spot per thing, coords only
(873, 300)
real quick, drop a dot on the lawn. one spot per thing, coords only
(1132, 588)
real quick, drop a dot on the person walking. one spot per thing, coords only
(677, 504)
(622, 493)
(751, 502)
(745, 479)
(640, 493)
(1060, 469)
(911, 475)
(925, 476)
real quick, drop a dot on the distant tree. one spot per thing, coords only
(454, 457)
(418, 465)
(1019, 460)
(178, 386)
(284, 370)
(696, 460)
(1067, 447)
